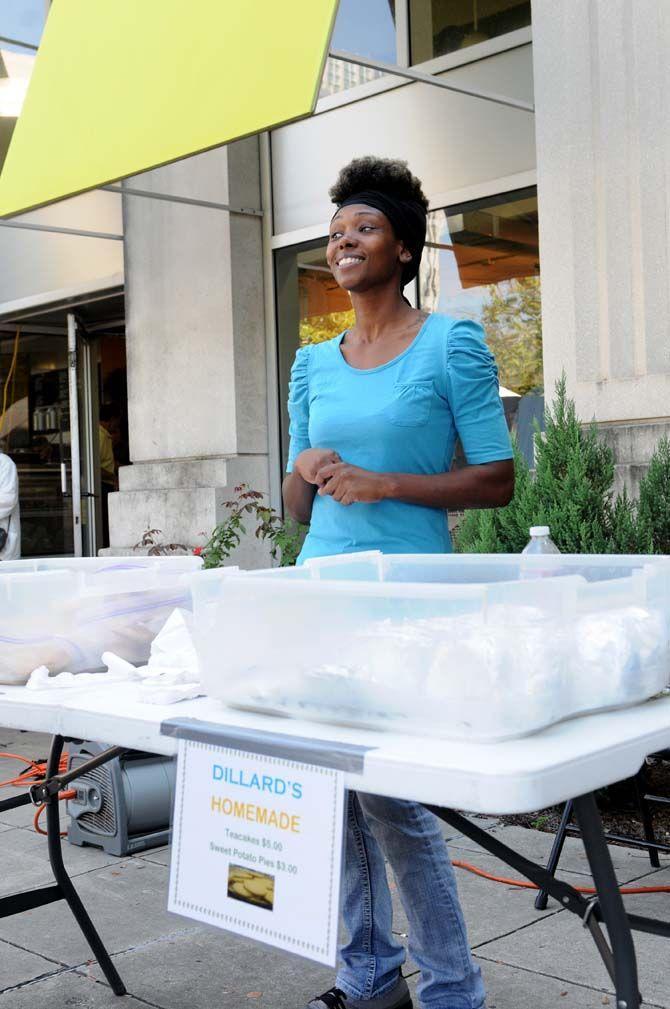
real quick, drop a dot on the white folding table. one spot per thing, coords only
(566, 761)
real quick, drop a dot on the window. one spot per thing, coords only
(365, 29)
(443, 26)
(482, 262)
(436, 27)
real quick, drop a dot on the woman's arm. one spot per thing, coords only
(298, 497)
(488, 485)
(299, 487)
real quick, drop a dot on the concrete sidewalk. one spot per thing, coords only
(529, 959)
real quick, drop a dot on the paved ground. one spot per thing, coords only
(529, 959)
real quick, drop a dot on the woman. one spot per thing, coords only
(374, 417)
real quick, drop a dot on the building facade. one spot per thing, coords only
(183, 320)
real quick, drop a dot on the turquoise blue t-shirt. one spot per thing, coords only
(401, 417)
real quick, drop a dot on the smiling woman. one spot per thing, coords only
(374, 415)
(359, 266)
(375, 412)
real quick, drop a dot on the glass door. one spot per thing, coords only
(39, 429)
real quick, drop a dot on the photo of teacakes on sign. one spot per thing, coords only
(252, 887)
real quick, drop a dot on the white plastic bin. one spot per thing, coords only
(63, 613)
(466, 646)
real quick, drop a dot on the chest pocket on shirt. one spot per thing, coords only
(411, 404)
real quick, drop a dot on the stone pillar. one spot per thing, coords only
(195, 335)
(602, 94)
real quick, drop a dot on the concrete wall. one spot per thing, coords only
(633, 445)
(602, 94)
(37, 263)
(195, 335)
(452, 142)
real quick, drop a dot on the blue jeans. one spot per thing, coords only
(411, 839)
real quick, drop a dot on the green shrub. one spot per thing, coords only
(498, 530)
(284, 535)
(627, 534)
(653, 510)
(571, 491)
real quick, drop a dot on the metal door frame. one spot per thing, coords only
(90, 496)
(75, 448)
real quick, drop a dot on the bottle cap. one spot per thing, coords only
(539, 530)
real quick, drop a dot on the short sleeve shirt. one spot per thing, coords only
(401, 417)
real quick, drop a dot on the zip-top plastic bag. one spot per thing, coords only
(63, 613)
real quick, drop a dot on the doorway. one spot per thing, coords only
(63, 414)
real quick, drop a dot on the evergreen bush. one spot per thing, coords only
(653, 510)
(571, 491)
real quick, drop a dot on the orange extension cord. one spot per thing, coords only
(68, 794)
(527, 885)
(36, 771)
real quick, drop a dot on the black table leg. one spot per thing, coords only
(610, 902)
(607, 908)
(640, 788)
(65, 883)
(556, 852)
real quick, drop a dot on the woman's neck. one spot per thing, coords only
(379, 312)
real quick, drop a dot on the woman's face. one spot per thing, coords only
(363, 251)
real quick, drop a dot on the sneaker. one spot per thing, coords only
(335, 998)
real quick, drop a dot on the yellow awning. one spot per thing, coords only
(122, 86)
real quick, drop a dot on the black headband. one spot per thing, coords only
(408, 220)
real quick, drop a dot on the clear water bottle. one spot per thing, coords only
(540, 542)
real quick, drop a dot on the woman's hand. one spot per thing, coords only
(309, 462)
(299, 487)
(350, 484)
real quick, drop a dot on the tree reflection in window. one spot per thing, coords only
(481, 262)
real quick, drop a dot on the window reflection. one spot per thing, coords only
(443, 26)
(482, 262)
(325, 308)
(23, 20)
(366, 29)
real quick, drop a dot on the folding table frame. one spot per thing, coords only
(63, 889)
(649, 844)
(606, 908)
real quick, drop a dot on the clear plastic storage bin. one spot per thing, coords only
(64, 612)
(478, 647)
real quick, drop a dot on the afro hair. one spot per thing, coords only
(380, 174)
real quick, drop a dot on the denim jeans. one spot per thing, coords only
(411, 839)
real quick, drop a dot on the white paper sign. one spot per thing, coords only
(257, 847)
